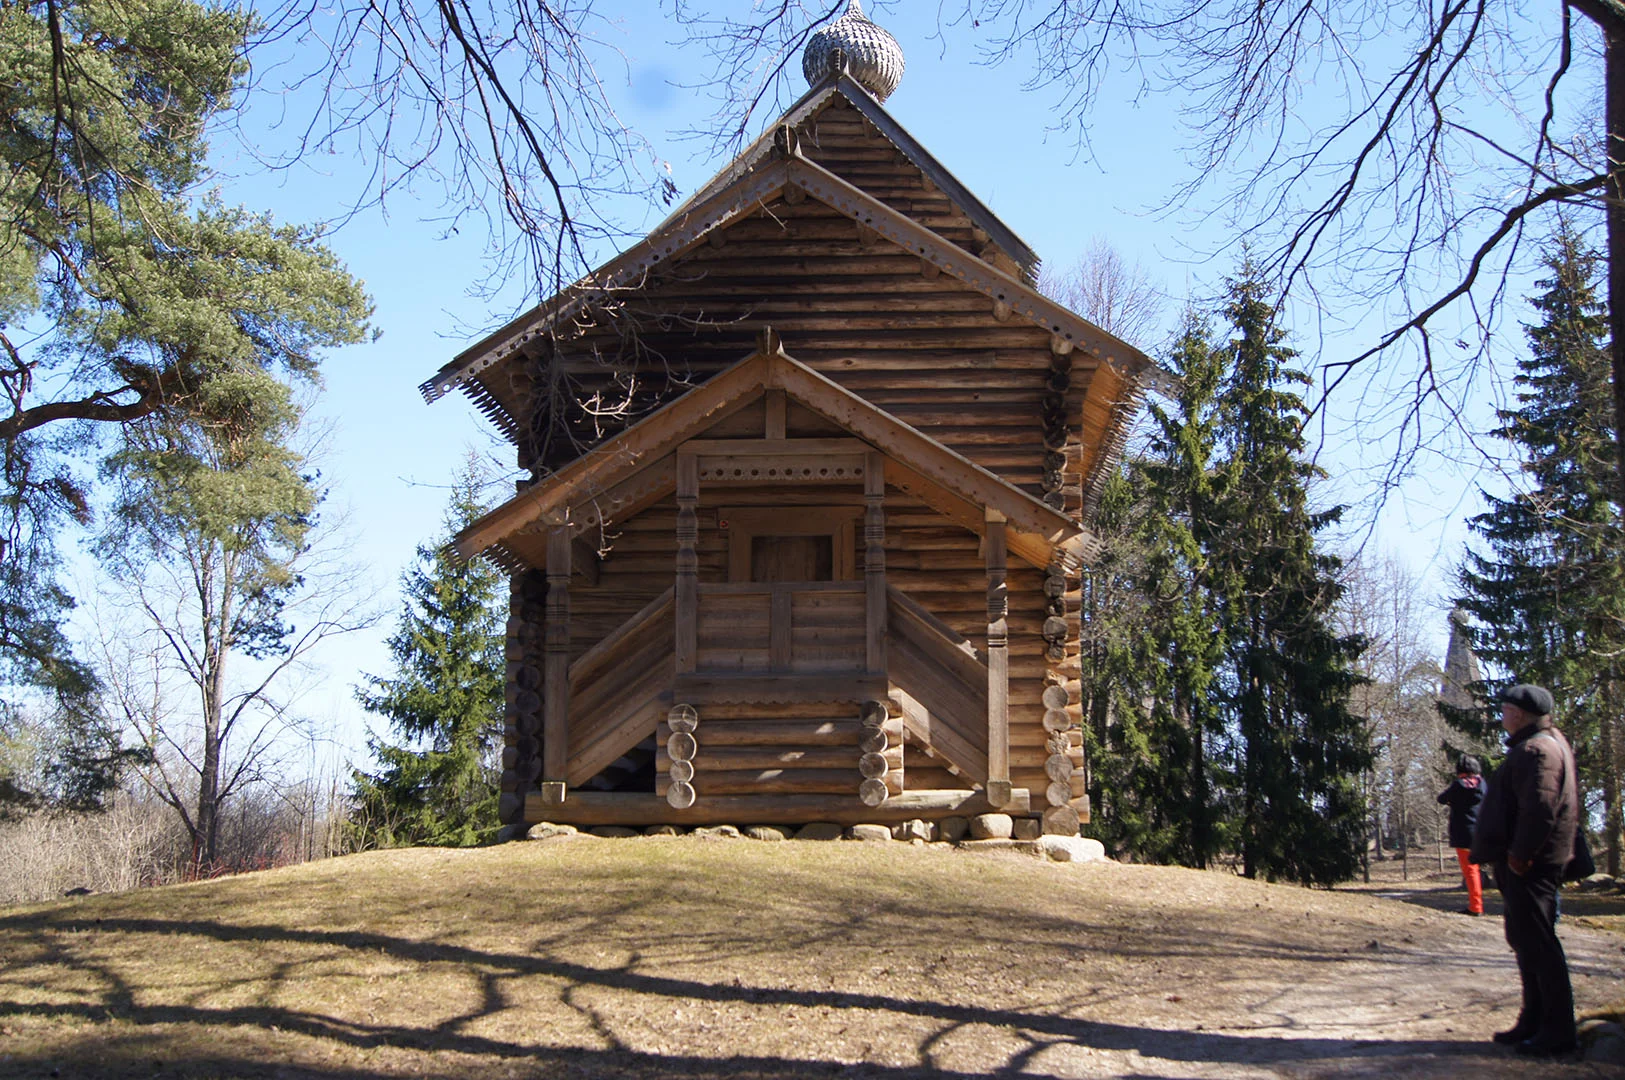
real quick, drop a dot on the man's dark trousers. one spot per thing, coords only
(1531, 928)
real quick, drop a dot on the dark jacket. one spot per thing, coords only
(1531, 810)
(1463, 796)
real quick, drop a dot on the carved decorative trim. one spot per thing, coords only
(1112, 447)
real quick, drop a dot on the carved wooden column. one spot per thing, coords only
(556, 669)
(686, 593)
(998, 665)
(874, 561)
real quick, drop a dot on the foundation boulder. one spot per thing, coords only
(992, 827)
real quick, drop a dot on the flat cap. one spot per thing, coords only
(1536, 700)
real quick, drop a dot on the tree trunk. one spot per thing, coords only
(216, 650)
(1613, 765)
(1614, 95)
(1614, 46)
(1607, 17)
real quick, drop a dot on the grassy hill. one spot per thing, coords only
(660, 957)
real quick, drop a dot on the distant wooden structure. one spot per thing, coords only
(813, 471)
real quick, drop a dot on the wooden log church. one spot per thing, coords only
(813, 467)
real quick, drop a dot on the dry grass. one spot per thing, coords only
(694, 958)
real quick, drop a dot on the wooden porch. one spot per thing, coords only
(789, 689)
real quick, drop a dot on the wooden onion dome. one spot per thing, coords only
(872, 57)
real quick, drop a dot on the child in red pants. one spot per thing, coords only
(1463, 796)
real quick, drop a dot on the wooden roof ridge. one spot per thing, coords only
(842, 84)
(684, 230)
(658, 435)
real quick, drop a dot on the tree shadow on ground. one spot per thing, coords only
(122, 1045)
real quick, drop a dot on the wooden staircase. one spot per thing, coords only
(620, 689)
(939, 684)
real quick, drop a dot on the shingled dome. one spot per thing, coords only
(872, 56)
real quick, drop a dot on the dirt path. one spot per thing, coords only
(709, 959)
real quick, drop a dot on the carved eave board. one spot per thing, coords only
(637, 468)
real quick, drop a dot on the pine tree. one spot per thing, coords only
(445, 702)
(209, 546)
(124, 296)
(1296, 749)
(1547, 592)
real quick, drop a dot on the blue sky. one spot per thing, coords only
(391, 456)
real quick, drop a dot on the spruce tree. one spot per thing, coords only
(1547, 591)
(1296, 749)
(438, 784)
(1154, 650)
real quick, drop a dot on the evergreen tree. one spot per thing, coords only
(1547, 591)
(445, 702)
(1218, 688)
(132, 293)
(1155, 652)
(1296, 749)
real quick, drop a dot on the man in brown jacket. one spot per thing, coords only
(1526, 830)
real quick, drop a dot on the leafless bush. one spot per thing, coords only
(133, 843)
(138, 841)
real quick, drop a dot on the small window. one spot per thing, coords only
(792, 558)
(791, 543)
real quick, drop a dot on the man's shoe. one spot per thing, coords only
(1542, 1047)
(1468, 911)
(1514, 1035)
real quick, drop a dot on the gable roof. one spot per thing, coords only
(624, 472)
(788, 170)
(843, 85)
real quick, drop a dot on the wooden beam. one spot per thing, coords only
(874, 561)
(799, 734)
(920, 453)
(941, 738)
(778, 629)
(556, 669)
(998, 285)
(587, 664)
(782, 688)
(686, 593)
(998, 664)
(590, 509)
(774, 411)
(585, 559)
(643, 808)
(600, 468)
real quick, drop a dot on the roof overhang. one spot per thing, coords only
(753, 190)
(634, 468)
